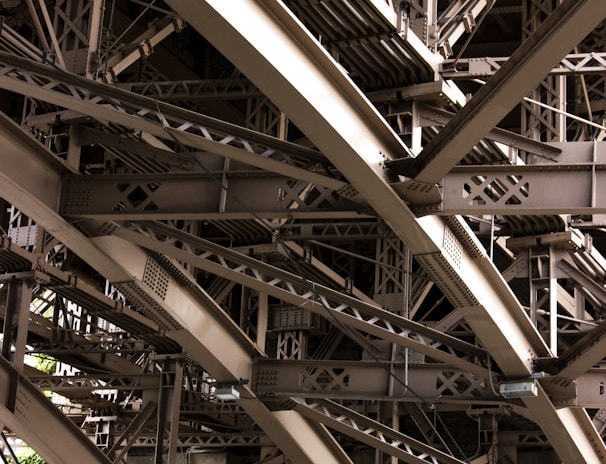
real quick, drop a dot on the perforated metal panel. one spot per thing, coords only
(155, 278)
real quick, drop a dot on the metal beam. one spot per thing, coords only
(571, 21)
(533, 189)
(211, 339)
(580, 357)
(327, 106)
(372, 433)
(436, 116)
(370, 380)
(32, 416)
(141, 48)
(572, 64)
(195, 90)
(250, 194)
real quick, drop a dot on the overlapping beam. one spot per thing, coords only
(372, 433)
(326, 105)
(32, 416)
(31, 183)
(311, 296)
(164, 121)
(571, 21)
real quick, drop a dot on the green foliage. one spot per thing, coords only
(45, 363)
(27, 456)
(32, 458)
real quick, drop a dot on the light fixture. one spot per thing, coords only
(227, 393)
(519, 389)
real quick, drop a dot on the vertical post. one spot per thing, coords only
(169, 408)
(94, 36)
(16, 321)
(175, 408)
(262, 318)
(537, 122)
(73, 148)
(553, 303)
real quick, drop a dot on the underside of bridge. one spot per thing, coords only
(302, 231)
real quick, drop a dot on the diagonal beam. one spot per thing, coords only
(139, 49)
(131, 432)
(326, 105)
(305, 294)
(32, 416)
(163, 121)
(31, 183)
(372, 433)
(531, 62)
(580, 357)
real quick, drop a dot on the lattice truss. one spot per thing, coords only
(190, 164)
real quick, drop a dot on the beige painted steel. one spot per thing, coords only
(326, 105)
(202, 327)
(41, 425)
(534, 59)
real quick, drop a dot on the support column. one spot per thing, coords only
(18, 299)
(262, 319)
(168, 411)
(543, 286)
(392, 280)
(540, 123)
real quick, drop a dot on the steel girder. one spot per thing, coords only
(32, 416)
(524, 190)
(370, 380)
(326, 105)
(533, 60)
(164, 121)
(306, 294)
(572, 64)
(31, 183)
(251, 193)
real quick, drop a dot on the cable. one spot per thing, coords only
(490, 378)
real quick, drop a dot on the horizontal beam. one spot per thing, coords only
(571, 64)
(236, 194)
(522, 190)
(370, 380)
(195, 90)
(561, 31)
(208, 440)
